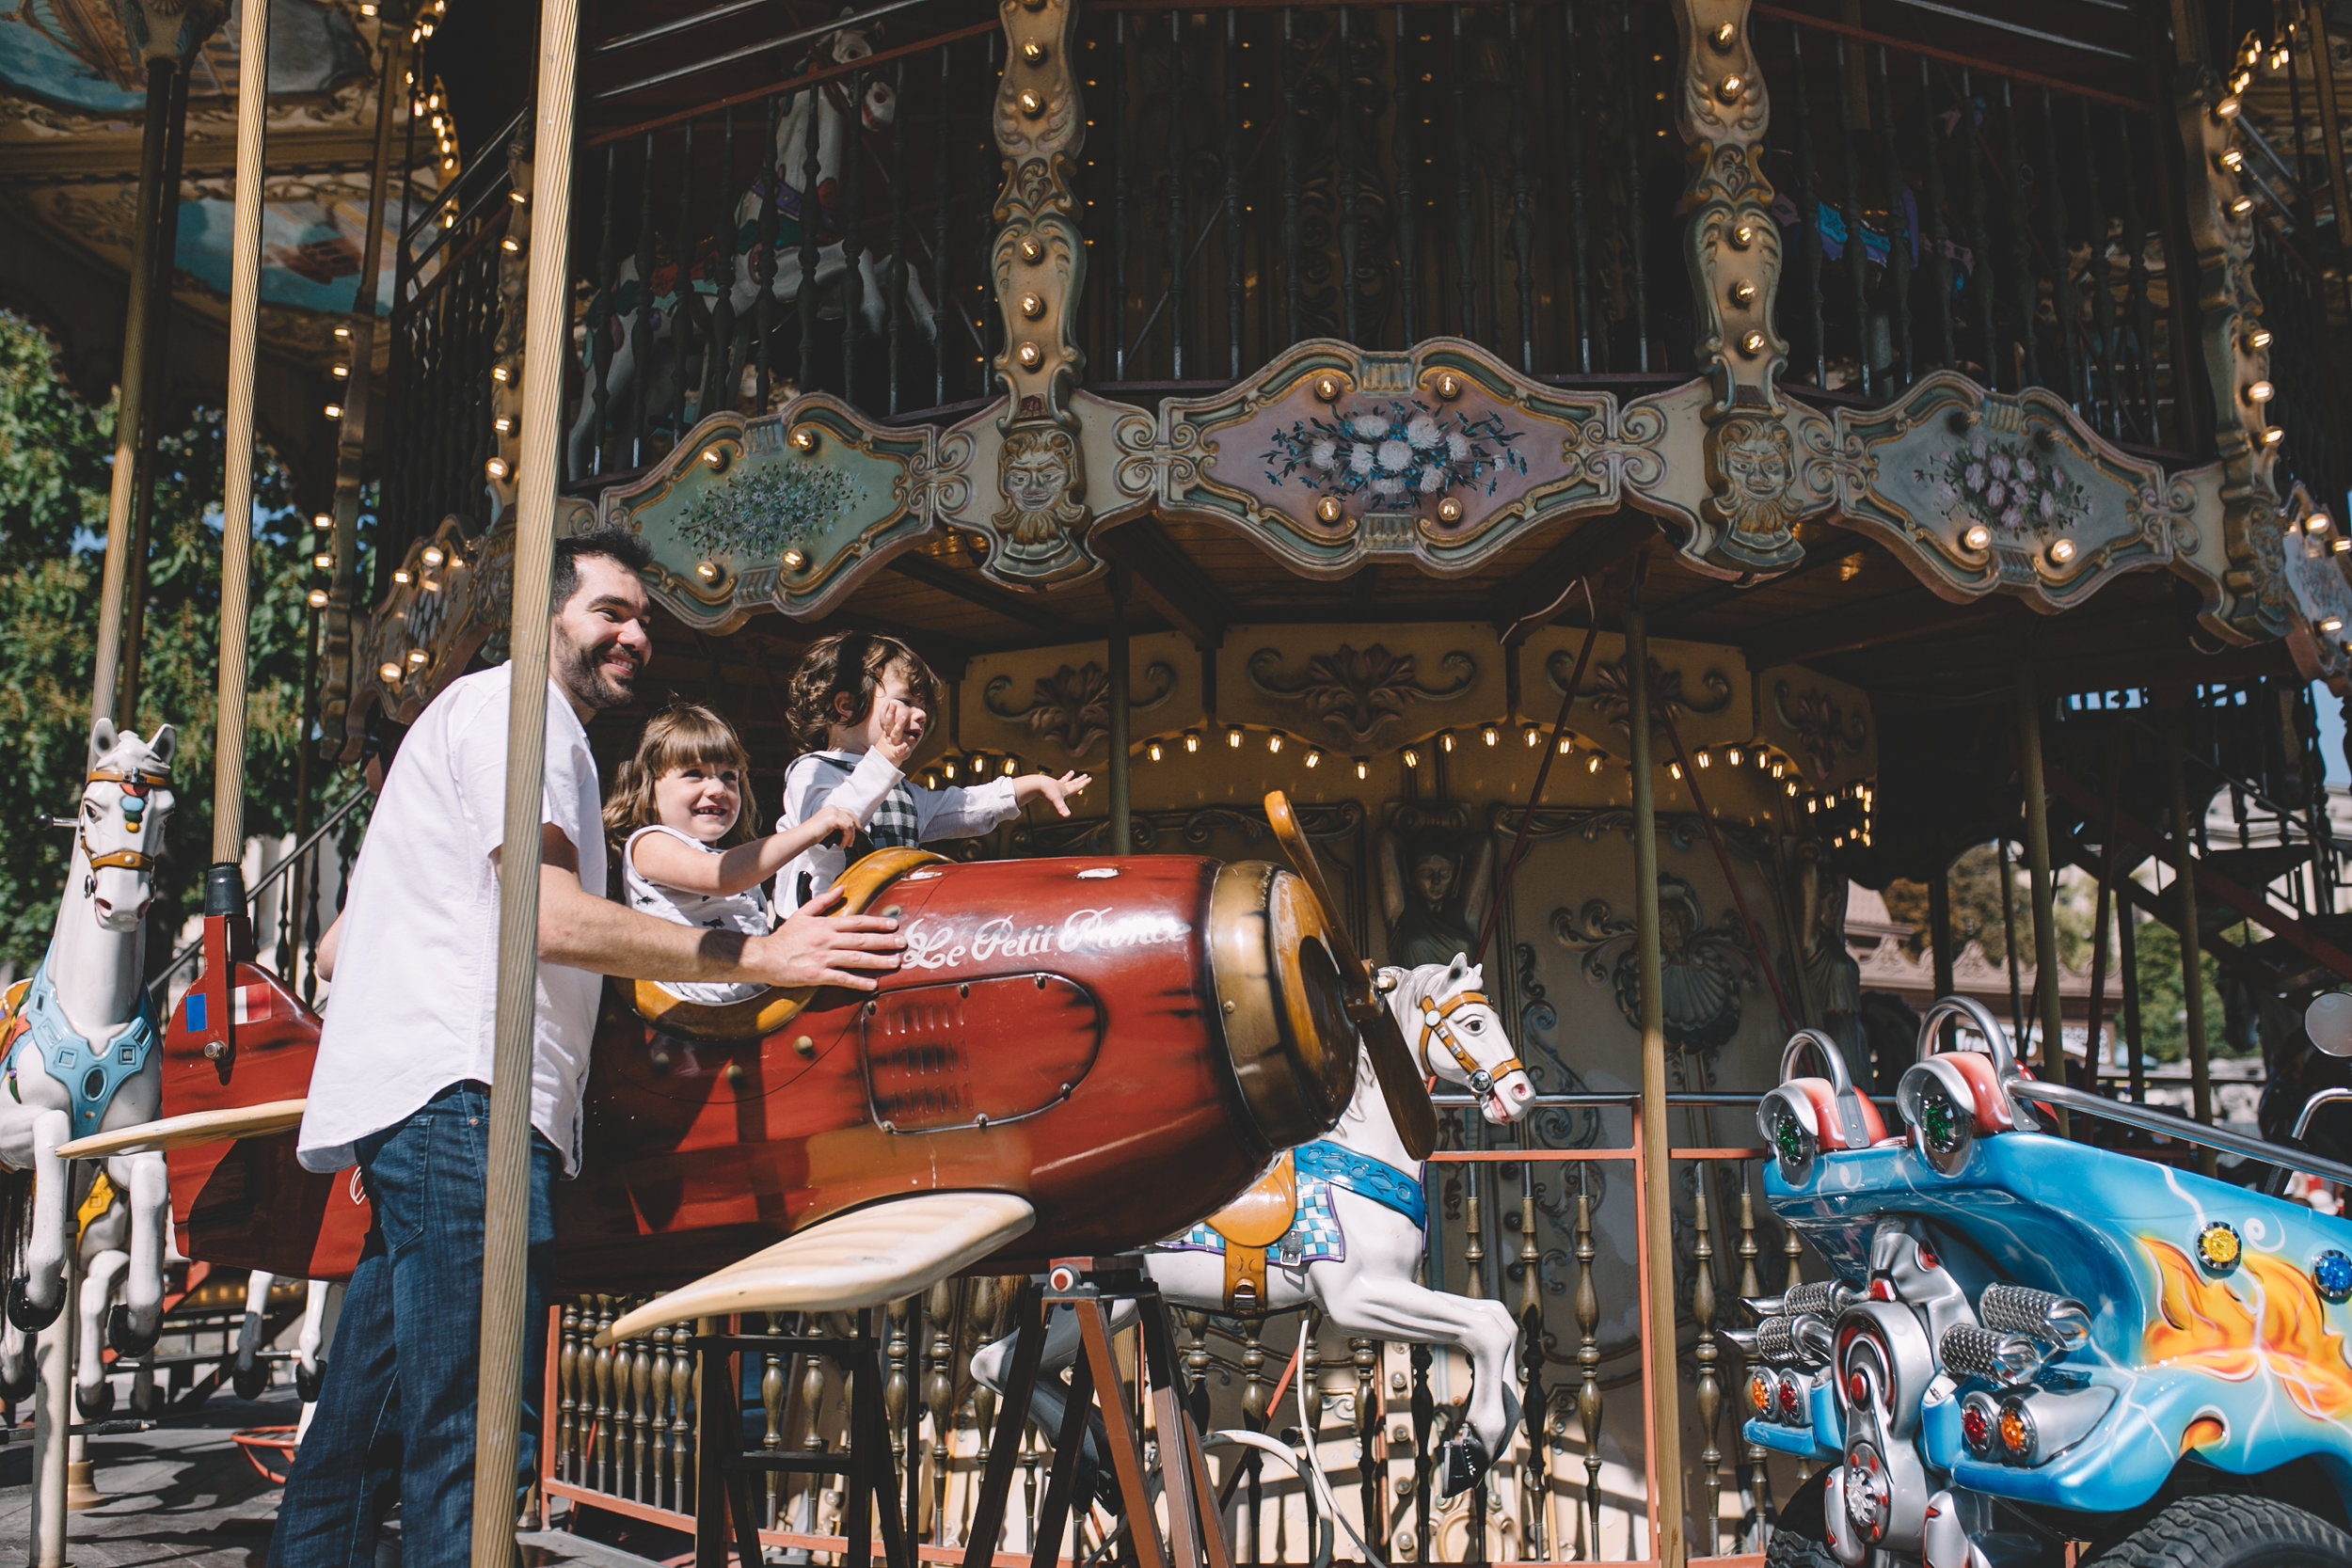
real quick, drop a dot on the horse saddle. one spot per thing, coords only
(1249, 1224)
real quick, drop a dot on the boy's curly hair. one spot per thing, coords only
(683, 734)
(851, 664)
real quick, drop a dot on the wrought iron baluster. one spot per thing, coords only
(2100, 373)
(682, 311)
(606, 1357)
(853, 235)
(723, 375)
(311, 932)
(1704, 1350)
(2023, 282)
(1522, 192)
(1856, 254)
(1939, 239)
(2051, 183)
(1122, 161)
(1588, 1359)
(1571, 76)
(1759, 1481)
(1537, 1490)
(942, 189)
(1365, 1353)
(764, 249)
(1179, 237)
(812, 208)
(1808, 198)
(895, 285)
(1407, 189)
(641, 333)
(1234, 237)
(1903, 229)
(1350, 306)
(1636, 212)
(1465, 182)
(282, 955)
(600, 317)
(2143, 310)
(1294, 237)
(1984, 277)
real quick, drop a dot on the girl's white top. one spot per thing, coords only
(857, 781)
(745, 912)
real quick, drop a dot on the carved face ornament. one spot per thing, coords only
(1755, 461)
(1035, 480)
(1433, 878)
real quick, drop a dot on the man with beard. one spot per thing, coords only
(402, 1080)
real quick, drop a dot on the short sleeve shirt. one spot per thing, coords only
(414, 1003)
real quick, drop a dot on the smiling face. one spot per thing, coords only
(1756, 463)
(701, 799)
(597, 641)
(1035, 480)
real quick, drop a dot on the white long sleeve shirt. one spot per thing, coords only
(857, 781)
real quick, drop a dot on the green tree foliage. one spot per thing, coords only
(1976, 890)
(55, 455)
(2163, 1005)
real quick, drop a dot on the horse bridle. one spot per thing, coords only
(1437, 1023)
(135, 783)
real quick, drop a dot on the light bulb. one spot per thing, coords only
(1363, 768)
(1674, 771)
(1192, 740)
(1153, 751)
(1314, 758)
(1490, 735)
(1446, 740)
(1233, 738)
(1412, 757)
(1274, 740)
(1592, 763)
(1702, 759)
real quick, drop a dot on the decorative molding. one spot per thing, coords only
(2317, 567)
(1072, 707)
(1055, 484)
(1754, 488)
(1359, 693)
(1610, 699)
(1706, 968)
(789, 510)
(1733, 480)
(168, 29)
(2250, 603)
(1826, 728)
(1982, 492)
(1330, 457)
(1193, 828)
(451, 597)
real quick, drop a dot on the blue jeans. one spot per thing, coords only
(395, 1419)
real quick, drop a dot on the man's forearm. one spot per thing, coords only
(595, 934)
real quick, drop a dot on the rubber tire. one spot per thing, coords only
(1801, 1533)
(2222, 1530)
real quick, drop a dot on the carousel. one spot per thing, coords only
(1518, 508)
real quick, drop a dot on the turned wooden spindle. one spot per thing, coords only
(1588, 1361)
(1705, 1353)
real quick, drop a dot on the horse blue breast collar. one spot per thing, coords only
(91, 1076)
(1365, 1176)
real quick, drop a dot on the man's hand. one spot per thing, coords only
(1041, 786)
(815, 948)
(901, 730)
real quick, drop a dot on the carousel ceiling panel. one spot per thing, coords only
(76, 54)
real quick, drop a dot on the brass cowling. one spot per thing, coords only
(1281, 1002)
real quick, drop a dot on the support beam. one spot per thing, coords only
(1169, 580)
(236, 532)
(1122, 834)
(2138, 897)
(150, 417)
(2038, 868)
(1902, 617)
(2185, 890)
(2331, 127)
(999, 601)
(1669, 1547)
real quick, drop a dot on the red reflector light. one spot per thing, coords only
(1976, 1427)
(1791, 1401)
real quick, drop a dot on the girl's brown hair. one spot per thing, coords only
(851, 664)
(684, 735)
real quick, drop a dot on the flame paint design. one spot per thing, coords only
(2203, 1323)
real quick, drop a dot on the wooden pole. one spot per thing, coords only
(2192, 952)
(2045, 961)
(1123, 835)
(1666, 1411)
(131, 394)
(506, 1211)
(236, 532)
(1940, 936)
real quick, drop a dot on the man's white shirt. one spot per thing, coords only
(413, 1004)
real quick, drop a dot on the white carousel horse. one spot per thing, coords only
(85, 1056)
(249, 1375)
(826, 109)
(1356, 1232)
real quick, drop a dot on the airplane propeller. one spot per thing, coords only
(1401, 1083)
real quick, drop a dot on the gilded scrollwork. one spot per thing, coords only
(1072, 706)
(1359, 692)
(2318, 573)
(1612, 698)
(2252, 602)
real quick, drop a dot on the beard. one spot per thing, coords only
(588, 682)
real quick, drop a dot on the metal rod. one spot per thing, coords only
(2037, 865)
(1178, 252)
(1465, 184)
(1636, 226)
(1983, 281)
(2163, 1123)
(1665, 1413)
(2009, 940)
(506, 1212)
(236, 533)
(1123, 836)
(749, 51)
(150, 417)
(1407, 192)
(2127, 969)
(2022, 281)
(1235, 237)
(852, 238)
(131, 395)
(1294, 244)
(944, 180)
(2185, 890)
(2055, 207)
(1808, 208)
(1351, 328)
(2136, 296)
(2102, 367)
(1939, 239)
(2330, 130)
(1522, 194)
(812, 223)
(1850, 208)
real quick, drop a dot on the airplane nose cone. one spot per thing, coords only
(1281, 1003)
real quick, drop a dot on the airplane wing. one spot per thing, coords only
(197, 1127)
(869, 1255)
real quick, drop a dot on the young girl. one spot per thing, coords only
(859, 702)
(674, 806)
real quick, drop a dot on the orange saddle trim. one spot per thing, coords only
(1250, 1224)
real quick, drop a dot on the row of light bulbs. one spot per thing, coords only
(431, 558)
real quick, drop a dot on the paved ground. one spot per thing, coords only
(184, 1494)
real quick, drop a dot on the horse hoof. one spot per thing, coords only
(17, 1389)
(249, 1382)
(1461, 1465)
(27, 1317)
(309, 1381)
(94, 1402)
(123, 1339)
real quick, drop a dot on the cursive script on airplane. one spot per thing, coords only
(950, 943)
